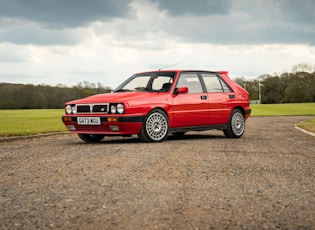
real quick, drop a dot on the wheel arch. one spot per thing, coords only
(240, 108)
(161, 108)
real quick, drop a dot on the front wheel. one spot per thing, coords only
(236, 125)
(91, 137)
(155, 127)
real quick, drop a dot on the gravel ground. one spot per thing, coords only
(264, 180)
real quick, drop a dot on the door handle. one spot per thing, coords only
(231, 96)
(203, 97)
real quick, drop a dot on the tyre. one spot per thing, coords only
(236, 125)
(155, 127)
(91, 138)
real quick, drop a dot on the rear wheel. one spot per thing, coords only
(236, 125)
(155, 127)
(91, 137)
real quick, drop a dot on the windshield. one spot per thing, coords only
(148, 82)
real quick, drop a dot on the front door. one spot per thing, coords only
(190, 109)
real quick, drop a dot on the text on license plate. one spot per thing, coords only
(89, 120)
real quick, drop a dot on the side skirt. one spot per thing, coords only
(198, 128)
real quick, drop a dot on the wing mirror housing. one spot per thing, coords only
(181, 90)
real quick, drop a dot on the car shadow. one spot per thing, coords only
(135, 140)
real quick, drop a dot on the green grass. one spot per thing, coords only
(283, 109)
(30, 122)
(297, 109)
(308, 125)
(36, 121)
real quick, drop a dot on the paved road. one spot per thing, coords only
(264, 180)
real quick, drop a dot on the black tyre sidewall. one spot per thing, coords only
(229, 131)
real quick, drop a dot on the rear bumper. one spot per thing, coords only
(247, 113)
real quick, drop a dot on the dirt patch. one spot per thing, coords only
(266, 179)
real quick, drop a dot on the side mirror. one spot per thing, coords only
(181, 90)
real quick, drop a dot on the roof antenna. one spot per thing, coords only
(172, 65)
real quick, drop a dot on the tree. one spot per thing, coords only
(298, 91)
(272, 90)
(303, 67)
(19, 96)
(241, 81)
(39, 101)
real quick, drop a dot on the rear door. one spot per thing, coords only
(220, 98)
(190, 109)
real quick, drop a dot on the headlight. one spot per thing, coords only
(113, 109)
(68, 109)
(117, 108)
(74, 111)
(120, 108)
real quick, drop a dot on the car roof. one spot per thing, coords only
(188, 70)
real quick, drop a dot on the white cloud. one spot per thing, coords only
(13, 53)
(241, 38)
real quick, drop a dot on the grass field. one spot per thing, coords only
(287, 110)
(30, 122)
(283, 109)
(308, 125)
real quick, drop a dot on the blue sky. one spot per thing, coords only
(70, 41)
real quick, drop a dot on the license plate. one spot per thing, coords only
(89, 120)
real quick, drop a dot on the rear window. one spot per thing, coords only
(214, 84)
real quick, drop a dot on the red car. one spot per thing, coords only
(155, 104)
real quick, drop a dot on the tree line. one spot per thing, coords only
(294, 87)
(21, 96)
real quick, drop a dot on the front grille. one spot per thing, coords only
(92, 108)
(83, 109)
(100, 109)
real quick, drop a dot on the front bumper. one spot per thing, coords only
(110, 125)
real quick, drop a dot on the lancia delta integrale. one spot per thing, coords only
(155, 104)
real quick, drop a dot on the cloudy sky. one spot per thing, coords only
(70, 41)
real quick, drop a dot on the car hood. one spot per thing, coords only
(113, 97)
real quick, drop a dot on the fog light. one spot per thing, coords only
(114, 128)
(67, 119)
(71, 127)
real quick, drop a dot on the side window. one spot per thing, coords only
(191, 81)
(214, 84)
(225, 86)
(162, 83)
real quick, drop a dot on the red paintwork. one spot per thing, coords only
(183, 109)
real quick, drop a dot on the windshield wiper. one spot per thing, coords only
(122, 90)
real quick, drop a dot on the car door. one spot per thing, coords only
(190, 109)
(220, 98)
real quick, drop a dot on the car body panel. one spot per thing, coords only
(189, 110)
(219, 107)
